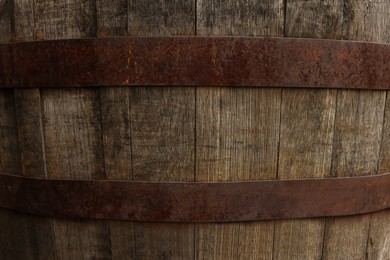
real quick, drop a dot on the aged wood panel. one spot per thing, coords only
(17, 229)
(72, 128)
(237, 139)
(162, 128)
(162, 132)
(5, 20)
(306, 130)
(111, 18)
(161, 17)
(372, 21)
(237, 130)
(357, 140)
(249, 17)
(306, 135)
(13, 227)
(115, 105)
(378, 245)
(358, 132)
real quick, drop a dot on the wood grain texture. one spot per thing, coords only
(72, 128)
(249, 17)
(358, 133)
(373, 21)
(237, 139)
(5, 20)
(65, 19)
(115, 104)
(162, 132)
(111, 18)
(344, 237)
(162, 128)
(161, 17)
(306, 135)
(237, 130)
(21, 236)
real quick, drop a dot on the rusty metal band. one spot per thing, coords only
(197, 61)
(195, 202)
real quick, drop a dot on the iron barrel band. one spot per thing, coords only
(195, 61)
(195, 201)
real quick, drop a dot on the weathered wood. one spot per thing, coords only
(249, 17)
(306, 135)
(314, 19)
(5, 20)
(161, 17)
(357, 137)
(72, 128)
(237, 130)
(378, 245)
(372, 23)
(162, 128)
(115, 105)
(111, 18)
(237, 139)
(162, 134)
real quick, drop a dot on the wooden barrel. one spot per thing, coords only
(194, 133)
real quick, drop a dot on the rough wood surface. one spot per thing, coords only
(306, 134)
(162, 128)
(373, 21)
(358, 132)
(162, 132)
(303, 239)
(161, 17)
(5, 20)
(111, 18)
(115, 105)
(237, 130)
(237, 139)
(358, 135)
(248, 17)
(72, 129)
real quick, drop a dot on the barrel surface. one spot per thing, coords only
(194, 133)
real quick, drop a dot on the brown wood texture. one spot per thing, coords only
(162, 129)
(307, 124)
(237, 130)
(306, 134)
(358, 117)
(71, 127)
(194, 134)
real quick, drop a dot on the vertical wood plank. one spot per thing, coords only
(237, 139)
(306, 136)
(115, 104)
(111, 18)
(161, 17)
(72, 128)
(370, 22)
(237, 130)
(358, 135)
(21, 236)
(248, 17)
(358, 132)
(5, 20)
(13, 227)
(307, 129)
(162, 129)
(73, 145)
